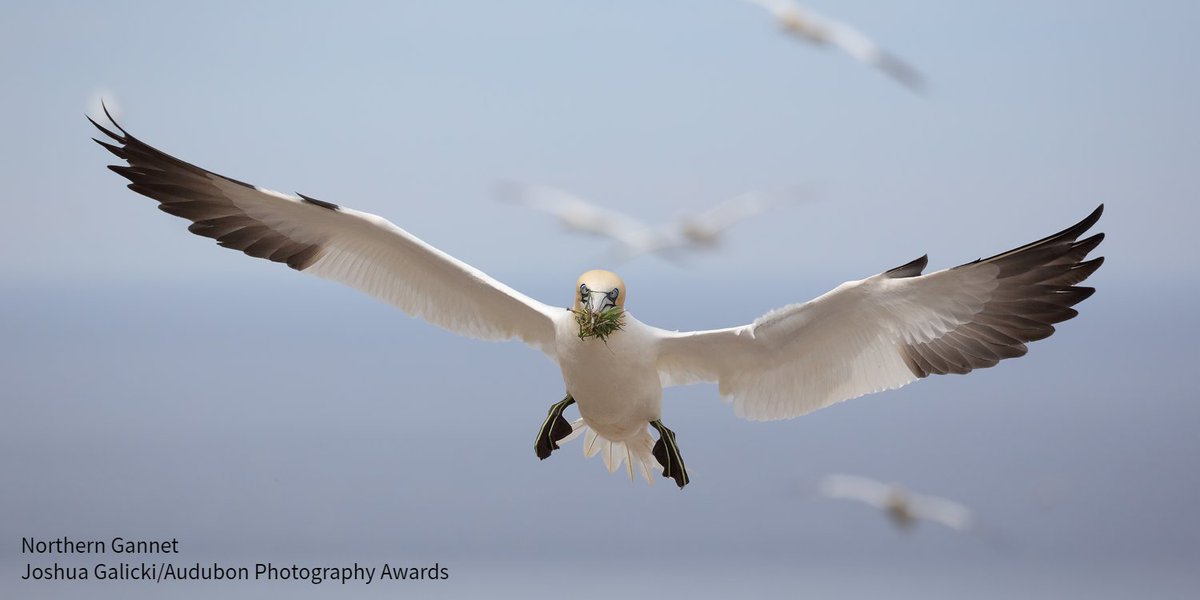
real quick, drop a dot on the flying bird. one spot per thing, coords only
(806, 25)
(902, 507)
(864, 336)
(580, 216)
(702, 231)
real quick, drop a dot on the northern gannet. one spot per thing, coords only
(901, 506)
(702, 231)
(864, 336)
(822, 31)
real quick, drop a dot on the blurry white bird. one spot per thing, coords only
(580, 216)
(816, 29)
(864, 336)
(634, 238)
(902, 507)
(704, 230)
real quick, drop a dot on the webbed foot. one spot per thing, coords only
(553, 429)
(666, 452)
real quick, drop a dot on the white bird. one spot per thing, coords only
(580, 216)
(703, 231)
(864, 336)
(822, 31)
(901, 506)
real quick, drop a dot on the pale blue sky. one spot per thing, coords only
(158, 384)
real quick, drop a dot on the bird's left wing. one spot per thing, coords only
(358, 249)
(888, 330)
(574, 212)
(852, 487)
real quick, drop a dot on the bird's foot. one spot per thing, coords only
(553, 429)
(666, 452)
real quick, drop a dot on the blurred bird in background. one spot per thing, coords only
(902, 507)
(822, 31)
(687, 234)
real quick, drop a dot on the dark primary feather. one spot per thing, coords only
(1036, 288)
(185, 190)
(909, 269)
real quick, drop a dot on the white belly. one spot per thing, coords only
(615, 385)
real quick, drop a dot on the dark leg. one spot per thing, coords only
(554, 428)
(667, 454)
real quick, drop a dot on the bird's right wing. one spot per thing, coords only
(731, 212)
(741, 207)
(940, 510)
(358, 249)
(865, 50)
(888, 330)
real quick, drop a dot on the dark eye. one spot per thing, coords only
(614, 293)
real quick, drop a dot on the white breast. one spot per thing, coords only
(615, 384)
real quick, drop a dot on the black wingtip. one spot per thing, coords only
(106, 131)
(1073, 232)
(321, 203)
(116, 150)
(1068, 235)
(909, 269)
(107, 114)
(1091, 219)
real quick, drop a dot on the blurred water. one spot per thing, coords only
(303, 422)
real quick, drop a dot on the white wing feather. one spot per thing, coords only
(358, 249)
(865, 50)
(852, 487)
(839, 346)
(887, 330)
(729, 213)
(940, 510)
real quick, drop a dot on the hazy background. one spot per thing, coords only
(157, 386)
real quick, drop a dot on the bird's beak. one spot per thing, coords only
(598, 315)
(597, 302)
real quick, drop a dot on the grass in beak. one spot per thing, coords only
(599, 325)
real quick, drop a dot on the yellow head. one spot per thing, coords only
(598, 290)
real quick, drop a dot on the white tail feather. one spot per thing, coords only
(616, 454)
(590, 447)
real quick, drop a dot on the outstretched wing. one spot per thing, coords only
(852, 487)
(865, 50)
(729, 213)
(358, 249)
(940, 510)
(718, 218)
(888, 330)
(574, 212)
